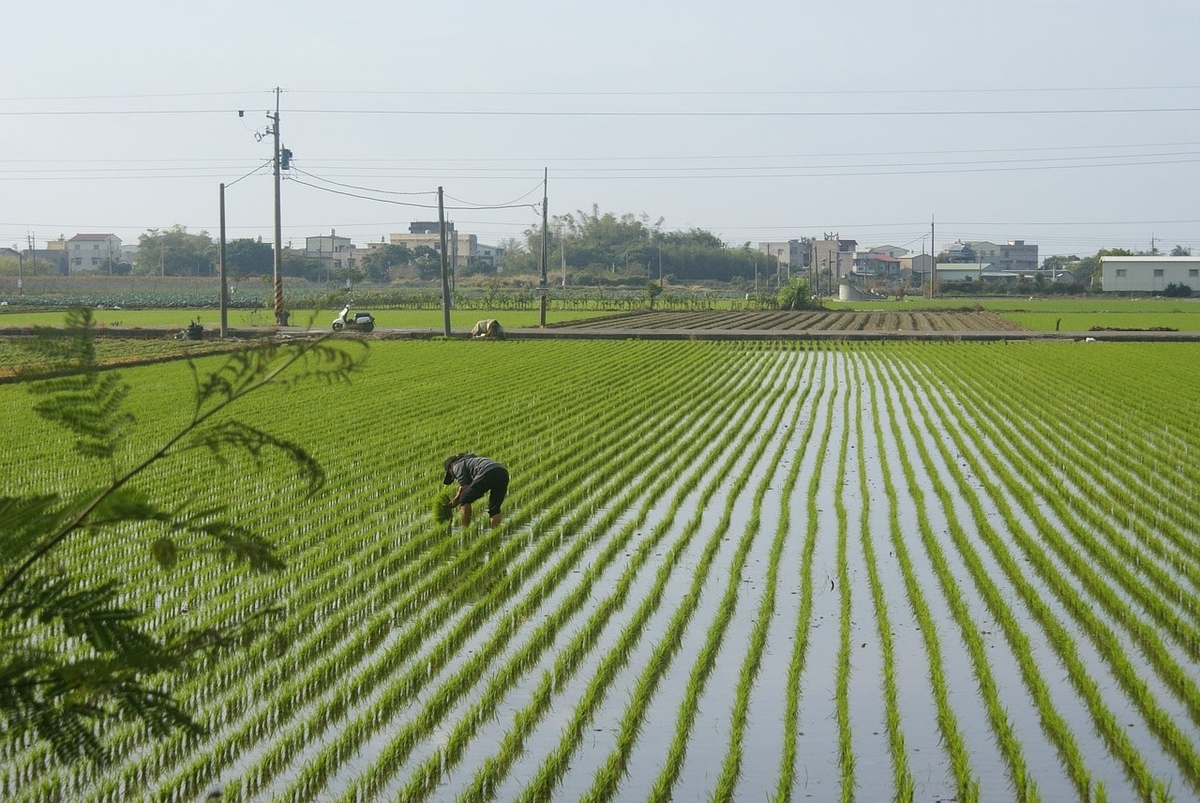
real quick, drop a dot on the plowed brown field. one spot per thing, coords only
(815, 321)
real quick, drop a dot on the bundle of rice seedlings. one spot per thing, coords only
(442, 508)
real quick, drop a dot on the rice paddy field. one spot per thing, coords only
(1067, 314)
(727, 571)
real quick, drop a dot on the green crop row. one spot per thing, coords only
(642, 585)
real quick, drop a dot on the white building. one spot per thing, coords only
(1149, 274)
(92, 252)
(462, 247)
(333, 252)
(789, 254)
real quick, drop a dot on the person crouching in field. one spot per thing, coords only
(487, 329)
(476, 476)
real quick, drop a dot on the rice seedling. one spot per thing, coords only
(417, 660)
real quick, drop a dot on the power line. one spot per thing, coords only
(622, 114)
(631, 93)
(471, 206)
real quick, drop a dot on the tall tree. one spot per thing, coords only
(377, 264)
(174, 252)
(249, 257)
(1087, 270)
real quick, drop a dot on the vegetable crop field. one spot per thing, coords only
(727, 571)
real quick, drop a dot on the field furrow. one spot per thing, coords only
(730, 571)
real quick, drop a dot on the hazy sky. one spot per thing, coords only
(1073, 124)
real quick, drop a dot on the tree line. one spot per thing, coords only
(604, 249)
(596, 248)
(178, 252)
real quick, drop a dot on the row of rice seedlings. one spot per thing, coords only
(842, 693)
(1008, 742)
(989, 444)
(1122, 562)
(569, 659)
(634, 471)
(342, 748)
(541, 786)
(609, 774)
(903, 785)
(1159, 605)
(660, 658)
(731, 767)
(649, 680)
(1168, 528)
(1121, 476)
(1137, 379)
(424, 779)
(791, 709)
(1118, 566)
(312, 768)
(1086, 575)
(955, 745)
(1052, 721)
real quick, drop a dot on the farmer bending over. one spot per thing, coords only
(476, 476)
(487, 329)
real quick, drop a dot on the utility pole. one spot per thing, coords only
(545, 236)
(933, 257)
(445, 270)
(280, 315)
(224, 297)
(21, 264)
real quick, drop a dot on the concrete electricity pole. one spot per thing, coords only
(281, 317)
(543, 286)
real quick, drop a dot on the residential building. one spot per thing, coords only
(491, 254)
(1014, 255)
(462, 247)
(55, 253)
(890, 250)
(791, 255)
(333, 252)
(834, 255)
(877, 264)
(1148, 274)
(92, 252)
(916, 264)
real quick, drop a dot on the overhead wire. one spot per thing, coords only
(602, 168)
(467, 205)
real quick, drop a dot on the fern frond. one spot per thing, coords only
(90, 613)
(76, 394)
(257, 442)
(126, 504)
(24, 522)
(61, 351)
(231, 541)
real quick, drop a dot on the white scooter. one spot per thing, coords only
(358, 322)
